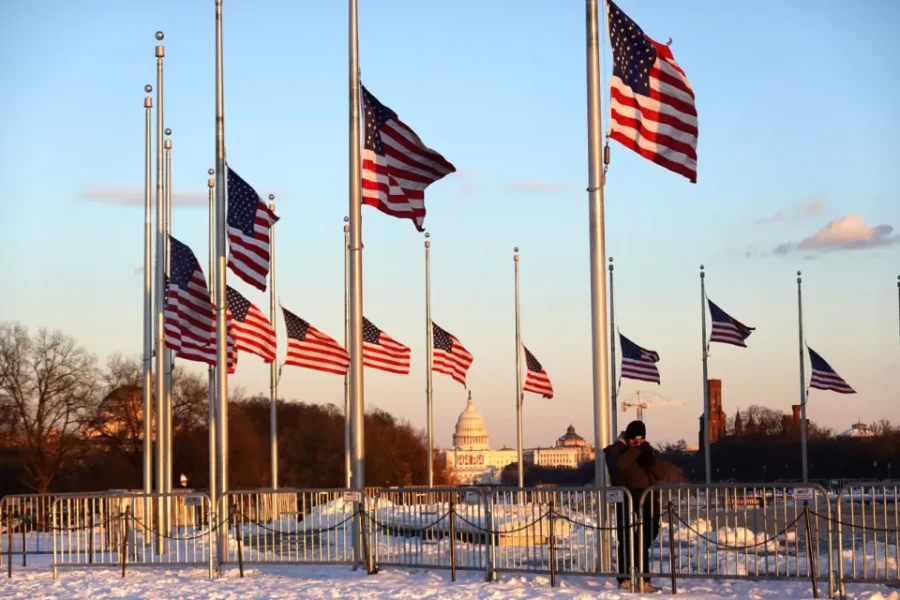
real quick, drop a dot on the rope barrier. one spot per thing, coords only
(737, 548)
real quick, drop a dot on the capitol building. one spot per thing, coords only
(472, 461)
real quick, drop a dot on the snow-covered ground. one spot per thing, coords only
(343, 582)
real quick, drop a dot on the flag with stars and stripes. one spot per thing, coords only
(250, 328)
(536, 380)
(249, 222)
(396, 165)
(726, 329)
(638, 363)
(310, 348)
(190, 322)
(652, 108)
(381, 351)
(823, 377)
(449, 356)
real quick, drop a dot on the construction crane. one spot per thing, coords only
(641, 405)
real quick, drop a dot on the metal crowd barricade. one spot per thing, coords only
(413, 528)
(866, 523)
(112, 530)
(291, 526)
(728, 531)
(25, 526)
(577, 529)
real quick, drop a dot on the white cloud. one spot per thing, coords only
(849, 232)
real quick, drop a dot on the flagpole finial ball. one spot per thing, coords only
(516, 249)
(427, 235)
(148, 88)
(346, 219)
(271, 197)
(610, 259)
(160, 35)
(799, 273)
(211, 172)
(168, 131)
(702, 267)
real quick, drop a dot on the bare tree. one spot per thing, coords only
(882, 427)
(47, 385)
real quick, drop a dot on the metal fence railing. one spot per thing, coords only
(866, 518)
(725, 531)
(731, 532)
(291, 526)
(120, 530)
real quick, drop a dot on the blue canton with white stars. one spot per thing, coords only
(237, 304)
(633, 54)
(295, 326)
(183, 263)
(377, 114)
(442, 340)
(371, 334)
(242, 204)
(532, 363)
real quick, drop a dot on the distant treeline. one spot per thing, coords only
(68, 425)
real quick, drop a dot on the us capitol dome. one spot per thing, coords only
(472, 461)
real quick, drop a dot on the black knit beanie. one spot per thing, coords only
(635, 429)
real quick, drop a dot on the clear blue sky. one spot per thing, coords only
(797, 103)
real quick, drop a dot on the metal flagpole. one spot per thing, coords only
(211, 372)
(519, 431)
(429, 350)
(348, 465)
(707, 450)
(167, 418)
(273, 367)
(357, 401)
(147, 364)
(803, 455)
(613, 392)
(221, 324)
(160, 295)
(598, 245)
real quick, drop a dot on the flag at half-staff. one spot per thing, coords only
(250, 328)
(536, 380)
(396, 165)
(726, 329)
(638, 363)
(190, 326)
(249, 222)
(382, 352)
(449, 356)
(310, 348)
(652, 108)
(824, 377)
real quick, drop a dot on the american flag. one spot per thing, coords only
(190, 323)
(652, 108)
(449, 356)
(726, 329)
(251, 329)
(396, 165)
(380, 351)
(310, 348)
(249, 221)
(537, 380)
(824, 377)
(638, 363)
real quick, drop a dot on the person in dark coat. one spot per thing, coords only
(633, 465)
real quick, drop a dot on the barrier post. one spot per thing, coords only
(125, 540)
(24, 548)
(452, 542)
(9, 544)
(371, 569)
(240, 538)
(810, 559)
(552, 549)
(91, 539)
(672, 547)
